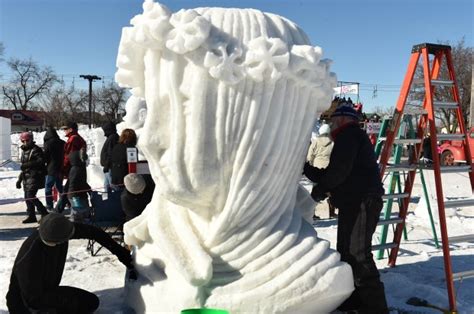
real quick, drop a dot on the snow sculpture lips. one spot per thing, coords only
(231, 96)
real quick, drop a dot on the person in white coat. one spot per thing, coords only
(320, 149)
(318, 156)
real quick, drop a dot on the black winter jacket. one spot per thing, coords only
(38, 268)
(53, 152)
(33, 167)
(134, 204)
(119, 167)
(110, 132)
(352, 173)
(77, 178)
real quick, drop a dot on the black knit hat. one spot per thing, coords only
(55, 228)
(345, 111)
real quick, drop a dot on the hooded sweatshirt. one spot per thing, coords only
(53, 152)
(110, 132)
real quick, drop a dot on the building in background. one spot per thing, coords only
(5, 140)
(24, 120)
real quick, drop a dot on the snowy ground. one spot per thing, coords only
(419, 271)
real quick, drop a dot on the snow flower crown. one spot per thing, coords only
(188, 34)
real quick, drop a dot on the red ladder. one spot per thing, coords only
(431, 81)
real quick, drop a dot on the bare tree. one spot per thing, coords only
(64, 103)
(110, 101)
(383, 111)
(2, 51)
(28, 83)
(462, 61)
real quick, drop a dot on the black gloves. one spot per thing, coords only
(311, 172)
(18, 184)
(132, 274)
(105, 170)
(24, 166)
(318, 195)
(124, 257)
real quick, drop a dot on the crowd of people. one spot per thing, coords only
(61, 161)
(38, 267)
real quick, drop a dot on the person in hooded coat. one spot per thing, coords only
(110, 132)
(39, 265)
(318, 156)
(78, 187)
(320, 149)
(53, 153)
(33, 172)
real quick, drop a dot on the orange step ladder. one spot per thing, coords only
(426, 123)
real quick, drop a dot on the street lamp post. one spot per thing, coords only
(90, 78)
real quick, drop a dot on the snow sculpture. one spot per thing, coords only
(231, 97)
(5, 139)
(135, 109)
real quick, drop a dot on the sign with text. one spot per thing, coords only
(373, 127)
(347, 89)
(132, 155)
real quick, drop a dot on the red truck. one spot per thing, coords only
(452, 152)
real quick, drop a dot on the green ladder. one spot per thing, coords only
(404, 137)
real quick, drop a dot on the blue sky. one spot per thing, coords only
(369, 41)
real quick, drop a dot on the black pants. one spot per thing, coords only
(356, 225)
(33, 202)
(67, 300)
(63, 199)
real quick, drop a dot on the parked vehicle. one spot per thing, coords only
(452, 152)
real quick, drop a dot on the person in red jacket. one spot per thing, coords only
(74, 142)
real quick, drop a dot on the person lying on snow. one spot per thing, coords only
(39, 265)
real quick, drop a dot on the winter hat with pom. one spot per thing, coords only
(26, 136)
(134, 183)
(345, 111)
(55, 228)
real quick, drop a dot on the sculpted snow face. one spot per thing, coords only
(231, 97)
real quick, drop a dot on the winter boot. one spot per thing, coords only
(43, 211)
(30, 219)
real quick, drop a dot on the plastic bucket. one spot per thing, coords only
(204, 311)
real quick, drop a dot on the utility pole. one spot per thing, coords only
(471, 110)
(90, 78)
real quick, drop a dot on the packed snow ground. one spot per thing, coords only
(419, 272)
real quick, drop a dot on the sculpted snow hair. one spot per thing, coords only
(231, 97)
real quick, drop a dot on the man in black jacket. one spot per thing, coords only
(33, 172)
(110, 132)
(353, 180)
(39, 266)
(53, 154)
